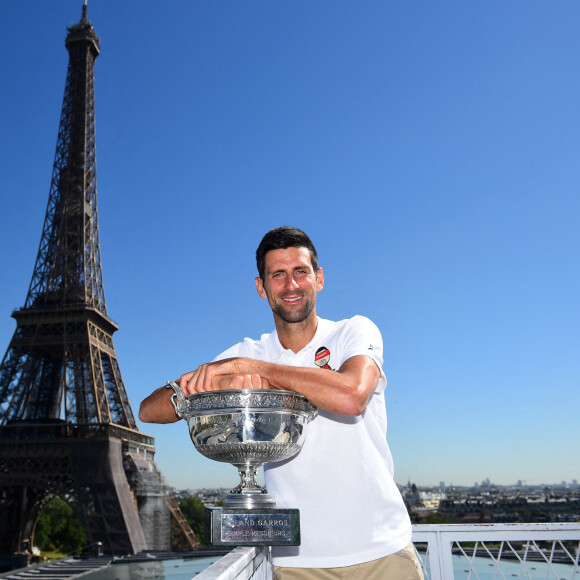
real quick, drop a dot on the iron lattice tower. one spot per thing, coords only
(66, 425)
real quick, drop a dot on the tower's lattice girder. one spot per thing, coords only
(66, 424)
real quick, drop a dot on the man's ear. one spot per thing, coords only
(260, 287)
(319, 280)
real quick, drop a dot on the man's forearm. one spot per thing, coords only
(345, 392)
(157, 407)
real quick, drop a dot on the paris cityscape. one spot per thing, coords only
(482, 503)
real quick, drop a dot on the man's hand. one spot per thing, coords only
(157, 407)
(223, 382)
(220, 375)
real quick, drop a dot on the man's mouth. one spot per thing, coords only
(292, 299)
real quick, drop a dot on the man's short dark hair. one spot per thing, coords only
(280, 239)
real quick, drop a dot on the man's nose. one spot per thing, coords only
(291, 283)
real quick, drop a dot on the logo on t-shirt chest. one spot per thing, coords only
(322, 357)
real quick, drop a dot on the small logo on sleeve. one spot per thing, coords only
(322, 357)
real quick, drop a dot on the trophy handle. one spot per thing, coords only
(177, 399)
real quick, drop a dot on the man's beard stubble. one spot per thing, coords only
(294, 317)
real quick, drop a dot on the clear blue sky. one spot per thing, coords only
(430, 149)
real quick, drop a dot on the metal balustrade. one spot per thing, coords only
(457, 552)
(499, 551)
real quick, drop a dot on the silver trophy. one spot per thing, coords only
(247, 428)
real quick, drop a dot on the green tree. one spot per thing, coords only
(59, 529)
(434, 518)
(194, 511)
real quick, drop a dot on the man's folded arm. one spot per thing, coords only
(345, 392)
(158, 408)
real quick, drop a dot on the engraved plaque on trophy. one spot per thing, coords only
(247, 428)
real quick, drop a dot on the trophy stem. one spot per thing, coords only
(248, 494)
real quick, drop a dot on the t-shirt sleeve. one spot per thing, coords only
(362, 337)
(242, 349)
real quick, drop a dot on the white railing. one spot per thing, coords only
(456, 552)
(240, 564)
(499, 551)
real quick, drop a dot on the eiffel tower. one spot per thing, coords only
(66, 425)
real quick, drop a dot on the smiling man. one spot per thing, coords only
(353, 520)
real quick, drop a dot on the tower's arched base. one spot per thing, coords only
(112, 483)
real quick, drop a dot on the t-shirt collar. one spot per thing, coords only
(277, 350)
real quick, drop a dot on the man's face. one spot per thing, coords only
(290, 284)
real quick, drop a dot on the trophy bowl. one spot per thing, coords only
(246, 428)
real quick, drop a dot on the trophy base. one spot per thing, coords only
(252, 527)
(249, 500)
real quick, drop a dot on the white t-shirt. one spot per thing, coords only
(351, 510)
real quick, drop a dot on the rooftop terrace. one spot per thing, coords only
(446, 551)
